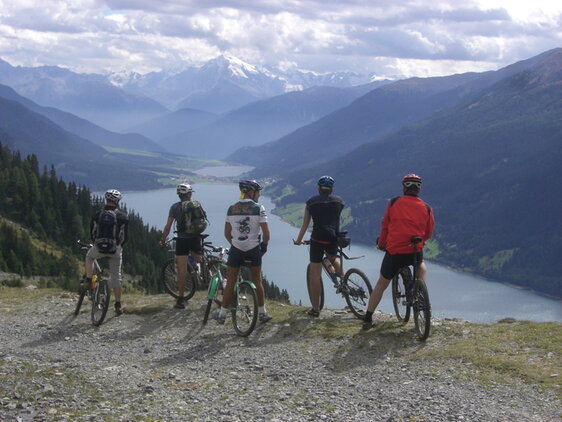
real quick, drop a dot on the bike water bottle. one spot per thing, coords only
(94, 282)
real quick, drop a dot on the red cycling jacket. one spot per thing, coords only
(405, 217)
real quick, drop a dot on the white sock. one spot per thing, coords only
(261, 310)
(222, 312)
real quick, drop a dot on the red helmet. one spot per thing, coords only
(411, 179)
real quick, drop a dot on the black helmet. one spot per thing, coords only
(248, 185)
(326, 182)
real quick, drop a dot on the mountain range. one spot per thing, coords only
(491, 164)
(121, 101)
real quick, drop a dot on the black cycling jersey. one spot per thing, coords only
(325, 210)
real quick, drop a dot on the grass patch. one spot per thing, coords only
(526, 351)
(291, 213)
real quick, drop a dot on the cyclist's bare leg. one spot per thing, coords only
(181, 260)
(377, 293)
(231, 276)
(89, 268)
(315, 272)
(118, 291)
(422, 270)
(255, 275)
(336, 263)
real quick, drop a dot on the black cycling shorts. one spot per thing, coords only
(317, 250)
(236, 257)
(392, 263)
(185, 245)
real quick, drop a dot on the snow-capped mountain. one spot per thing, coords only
(226, 83)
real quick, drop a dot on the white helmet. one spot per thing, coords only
(113, 195)
(183, 189)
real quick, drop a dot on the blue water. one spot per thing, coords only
(453, 294)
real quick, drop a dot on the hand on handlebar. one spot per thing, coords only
(297, 242)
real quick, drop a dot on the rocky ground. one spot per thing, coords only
(156, 363)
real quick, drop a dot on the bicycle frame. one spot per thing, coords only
(247, 312)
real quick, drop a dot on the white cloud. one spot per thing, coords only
(367, 36)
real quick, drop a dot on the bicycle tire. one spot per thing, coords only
(169, 278)
(400, 301)
(81, 294)
(321, 288)
(245, 316)
(100, 302)
(422, 310)
(357, 291)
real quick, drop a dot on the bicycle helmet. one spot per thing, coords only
(113, 195)
(411, 179)
(183, 189)
(248, 185)
(326, 182)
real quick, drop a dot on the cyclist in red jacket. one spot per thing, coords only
(405, 216)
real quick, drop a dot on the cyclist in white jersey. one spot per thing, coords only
(246, 222)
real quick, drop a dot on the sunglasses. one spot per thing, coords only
(409, 184)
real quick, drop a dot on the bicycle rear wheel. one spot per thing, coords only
(100, 301)
(400, 301)
(357, 291)
(81, 294)
(245, 316)
(170, 280)
(321, 288)
(422, 309)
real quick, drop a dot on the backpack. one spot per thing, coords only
(193, 219)
(106, 232)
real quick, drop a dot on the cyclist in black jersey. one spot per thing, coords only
(324, 210)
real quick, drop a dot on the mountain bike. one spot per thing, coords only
(354, 286)
(98, 292)
(244, 306)
(409, 292)
(198, 273)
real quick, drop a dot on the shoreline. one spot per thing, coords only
(456, 269)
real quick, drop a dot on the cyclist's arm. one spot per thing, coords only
(166, 230)
(228, 232)
(265, 232)
(305, 222)
(429, 227)
(384, 228)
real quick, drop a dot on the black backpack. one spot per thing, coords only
(106, 232)
(193, 220)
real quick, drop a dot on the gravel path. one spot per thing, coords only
(156, 363)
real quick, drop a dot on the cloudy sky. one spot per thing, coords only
(386, 37)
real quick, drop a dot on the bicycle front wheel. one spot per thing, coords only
(422, 310)
(81, 294)
(214, 294)
(170, 280)
(100, 301)
(400, 301)
(321, 288)
(245, 316)
(357, 290)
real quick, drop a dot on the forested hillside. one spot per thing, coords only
(492, 166)
(43, 217)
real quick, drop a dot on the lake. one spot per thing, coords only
(453, 294)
